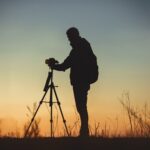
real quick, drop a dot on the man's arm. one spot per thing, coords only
(65, 65)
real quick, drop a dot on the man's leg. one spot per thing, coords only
(80, 94)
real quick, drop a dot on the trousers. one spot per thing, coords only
(80, 95)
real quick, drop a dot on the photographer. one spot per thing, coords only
(78, 62)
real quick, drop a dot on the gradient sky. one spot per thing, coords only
(33, 30)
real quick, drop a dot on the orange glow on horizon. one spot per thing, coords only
(115, 126)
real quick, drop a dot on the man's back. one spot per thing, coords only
(79, 59)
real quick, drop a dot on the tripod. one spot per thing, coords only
(49, 85)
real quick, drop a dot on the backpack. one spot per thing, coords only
(93, 72)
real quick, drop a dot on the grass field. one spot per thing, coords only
(75, 144)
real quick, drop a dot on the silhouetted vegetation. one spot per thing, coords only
(35, 128)
(139, 119)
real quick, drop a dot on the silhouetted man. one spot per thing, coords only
(77, 61)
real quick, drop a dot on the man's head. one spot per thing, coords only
(72, 34)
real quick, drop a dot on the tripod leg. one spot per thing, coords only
(26, 133)
(59, 105)
(51, 111)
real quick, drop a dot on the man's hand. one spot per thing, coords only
(51, 62)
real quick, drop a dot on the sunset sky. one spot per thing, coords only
(33, 30)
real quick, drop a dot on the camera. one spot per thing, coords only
(51, 62)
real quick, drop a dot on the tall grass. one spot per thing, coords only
(35, 127)
(139, 118)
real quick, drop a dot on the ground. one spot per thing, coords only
(75, 144)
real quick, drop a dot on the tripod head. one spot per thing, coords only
(51, 62)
